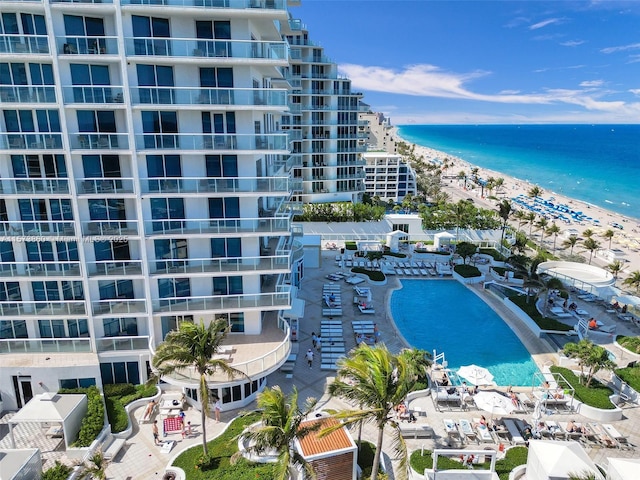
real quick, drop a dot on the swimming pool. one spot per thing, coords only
(444, 315)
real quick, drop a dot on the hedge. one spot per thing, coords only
(374, 275)
(597, 395)
(630, 343)
(467, 271)
(497, 256)
(528, 306)
(93, 422)
(59, 471)
(117, 396)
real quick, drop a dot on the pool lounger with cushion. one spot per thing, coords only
(416, 430)
(516, 436)
(331, 312)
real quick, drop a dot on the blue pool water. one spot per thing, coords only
(447, 317)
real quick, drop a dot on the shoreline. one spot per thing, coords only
(627, 240)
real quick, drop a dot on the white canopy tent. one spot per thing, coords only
(393, 240)
(556, 460)
(623, 468)
(52, 408)
(443, 238)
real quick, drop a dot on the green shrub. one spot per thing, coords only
(366, 453)
(630, 343)
(118, 389)
(467, 271)
(374, 275)
(93, 422)
(497, 256)
(630, 375)
(528, 306)
(597, 395)
(119, 395)
(59, 471)
(217, 464)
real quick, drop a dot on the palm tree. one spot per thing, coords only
(193, 346)
(588, 233)
(633, 280)
(531, 219)
(462, 175)
(591, 245)
(554, 230)
(615, 268)
(535, 191)
(280, 428)
(542, 225)
(377, 381)
(498, 183)
(520, 215)
(97, 467)
(505, 209)
(609, 234)
(590, 356)
(570, 242)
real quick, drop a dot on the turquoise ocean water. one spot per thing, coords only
(598, 164)
(446, 316)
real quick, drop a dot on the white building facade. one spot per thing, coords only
(145, 182)
(388, 176)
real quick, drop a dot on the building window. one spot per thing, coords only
(13, 329)
(234, 320)
(77, 382)
(114, 327)
(120, 372)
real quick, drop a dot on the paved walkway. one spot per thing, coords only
(143, 460)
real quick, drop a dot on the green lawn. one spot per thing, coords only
(220, 451)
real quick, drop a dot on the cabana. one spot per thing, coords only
(557, 460)
(443, 239)
(62, 414)
(393, 240)
(623, 468)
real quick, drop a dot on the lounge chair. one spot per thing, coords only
(366, 309)
(605, 439)
(556, 430)
(467, 430)
(423, 272)
(623, 441)
(514, 432)
(354, 280)
(415, 430)
(484, 434)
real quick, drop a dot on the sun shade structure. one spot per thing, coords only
(475, 374)
(52, 408)
(556, 460)
(494, 403)
(589, 278)
(623, 468)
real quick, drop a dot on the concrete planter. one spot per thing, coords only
(130, 407)
(468, 281)
(599, 414)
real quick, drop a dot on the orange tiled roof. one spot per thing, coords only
(338, 440)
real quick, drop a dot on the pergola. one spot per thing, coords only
(589, 278)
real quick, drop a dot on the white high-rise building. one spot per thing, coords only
(145, 182)
(324, 123)
(389, 176)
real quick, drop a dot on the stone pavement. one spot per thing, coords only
(142, 460)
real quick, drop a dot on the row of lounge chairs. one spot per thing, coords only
(332, 346)
(331, 300)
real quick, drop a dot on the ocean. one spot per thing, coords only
(597, 164)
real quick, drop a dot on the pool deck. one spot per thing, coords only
(140, 459)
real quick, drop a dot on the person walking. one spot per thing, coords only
(309, 357)
(217, 408)
(156, 434)
(314, 339)
(319, 342)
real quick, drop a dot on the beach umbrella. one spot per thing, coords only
(476, 375)
(494, 403)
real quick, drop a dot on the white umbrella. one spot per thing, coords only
(494, 403)
(476, 375)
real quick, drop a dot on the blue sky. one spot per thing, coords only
(467, 62)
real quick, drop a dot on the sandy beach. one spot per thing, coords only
(627, 240)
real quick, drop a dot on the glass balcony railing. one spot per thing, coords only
(118, 307)
(37, 229)
(206, 48)
(93, 94)
(34, 186)
(36, 308)
(114, 267)
(24, 44)
(30, 141)
(209, 96)
(87, 45)
(232, 4)
(174, 185)
(262, 301)
(190, 141)
(45, 345)
(27, 94)
(89, 186)
(221, 265)
(216, 226)
(41, 269)
(81, 1)
(114, 344)
(107, 228)
(99, 141)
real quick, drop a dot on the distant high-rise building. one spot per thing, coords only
(146, 182)
(388, 176)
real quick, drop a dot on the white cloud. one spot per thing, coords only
(592, 83)
(509, 92)
(544, 23)
(621, 48)
(635, 91)
(572, 43)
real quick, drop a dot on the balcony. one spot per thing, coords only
(109, 228)
(101, 186)
(30, 141)
(40, 270)
(46, 309)
(276, 52)
(37, 229)
(212, 226)
(249, 185)
(87, 45)
(271, 143)
(267, 264)
(93, 94)
(81, 1)
(99, 141)
(117, 344)
(118, 268)
(223, 303)
(27, 94)
(45, 345)
(236, 97)
(24, 44)
(230, 4)
(119, 306)
(34, 186)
